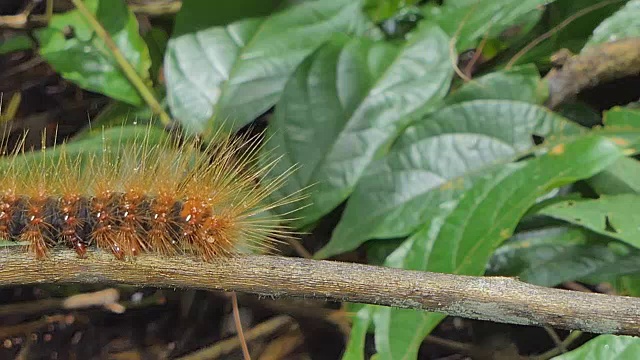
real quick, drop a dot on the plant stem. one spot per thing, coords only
(124, 64)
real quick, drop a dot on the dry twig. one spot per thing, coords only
(225, 347)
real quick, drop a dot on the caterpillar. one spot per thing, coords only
(168, 197)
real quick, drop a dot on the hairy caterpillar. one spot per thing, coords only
(165, 197)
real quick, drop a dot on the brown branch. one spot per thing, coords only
(594, 66)
(496, 299)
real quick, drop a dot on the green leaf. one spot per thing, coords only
(74, 50)
(605, 347)
(520, 84)
(156, 40)
(622, 177)
(15, 43)
(116, 114)
(94, 143)
(621, 116)
(462, 237)
(580, 113)
(629, 285)
(625, 23)
(196, 15)
(574, 35)
(345, 103)
(379, 10)
(549, 257)
(469, 21)
(359, 329)
(434, 160)
(615, 216)
(234, 73)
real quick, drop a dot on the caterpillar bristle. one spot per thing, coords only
(170, 197)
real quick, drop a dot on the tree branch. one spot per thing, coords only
(496, 299)
(594, 66)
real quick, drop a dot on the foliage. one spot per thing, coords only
(464, 175)
(73, 48)
(605, 347)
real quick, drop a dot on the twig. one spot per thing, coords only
(12, 108)
(573, 336)
(238, 322)
(300, 249)
(107, 298)
(572, 285)
(36, 306)
(224, 347)
(18, 21)
(468, 70)
(555, 337)
(463, 348)
(498, 299)
(452, 45)
(26, 328)
(27, 20)
(283, 346)
(104, 298)
(124, 64)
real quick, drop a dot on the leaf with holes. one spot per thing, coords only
(548, 257)
(615, 216)
(462, 237)
(433, 161)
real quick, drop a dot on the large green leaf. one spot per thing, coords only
(625, 23)
(615, 216)
(469, 21)
(606, 347)
(347, 101)
(74, 50)
(233, 73)
(622, 177)
(520, 83)
(462, 237)
(549, 257)
(433, 161)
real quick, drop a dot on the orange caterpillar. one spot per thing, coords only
(166, 198)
